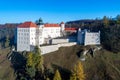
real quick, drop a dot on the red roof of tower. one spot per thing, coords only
(71, 29)
(51, 25)
(27, 25)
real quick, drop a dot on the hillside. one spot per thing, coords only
(65, 57)
(6, 71)
(7, 30)
(104, 65)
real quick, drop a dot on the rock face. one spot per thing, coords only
(90, 51)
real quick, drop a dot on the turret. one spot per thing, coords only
(62, 24)
(79, 29)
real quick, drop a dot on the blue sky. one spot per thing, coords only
(55, 11)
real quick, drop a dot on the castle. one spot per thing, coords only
(86, 37)
(29, 34)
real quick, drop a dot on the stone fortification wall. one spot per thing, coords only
(52, 48)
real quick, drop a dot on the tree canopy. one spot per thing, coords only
(57, 75)
(78, 72)
(34, 62)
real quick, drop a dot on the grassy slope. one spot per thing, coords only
(6, 72)
(65, 57)
(104, 66)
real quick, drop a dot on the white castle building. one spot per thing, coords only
(88, 38)
(29, 34)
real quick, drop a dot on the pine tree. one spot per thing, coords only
(47, 78)
(38, 59)
(7, 41)
(39, 65)
(31, 71)
(105, 21)
(73, 77)
(34, 62)
(30, 62)
(30, 65)
(57, 75)
(37, 50)
(118, 19)
(78, 72)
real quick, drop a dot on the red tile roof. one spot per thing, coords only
(51, 25)
(27, 25)
(70, 29)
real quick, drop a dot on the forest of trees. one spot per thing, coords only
(109, 27)
(7, 35)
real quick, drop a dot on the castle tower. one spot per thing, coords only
(62, 24)
(26, 36)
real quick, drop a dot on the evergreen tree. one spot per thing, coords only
(47, 78)
(37, 50)
(23, 78)
(31, 72)
(78, 72)
(38, 59)
(39, 64)
(34, 62)
(105, 21)
(118, 19)
(30, 65)
(7, 41)
(73, 77)
(30, 62)
(57, 75)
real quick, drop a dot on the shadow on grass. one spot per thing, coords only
(79, 53)
(18, 62)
